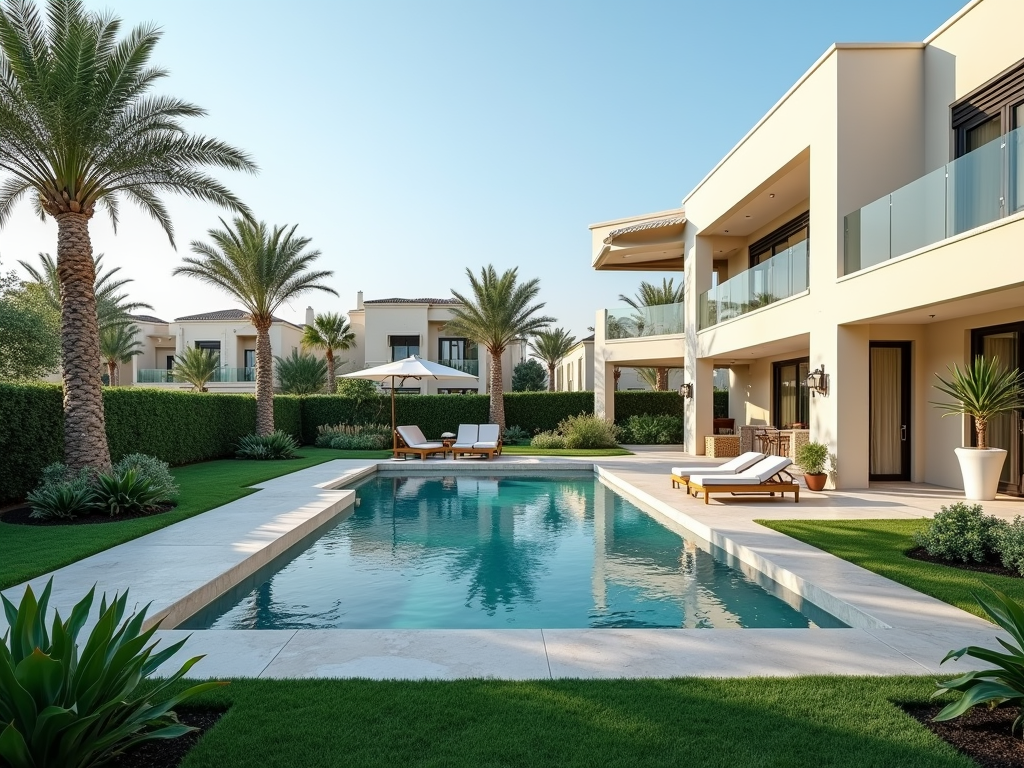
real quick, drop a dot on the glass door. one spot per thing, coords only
(889, 410)
(1005, 342)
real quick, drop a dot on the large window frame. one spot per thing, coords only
(403, 346)
(803, 393)
(1001, 98)
(777, 240)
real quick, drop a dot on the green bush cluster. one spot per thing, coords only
(721, 403)
(632, 403)
(1008, 543)
(354, 437)
(961, 532)
(515, 435)
(650, 429)
(549, 439)
(273, 447)
(588, 431)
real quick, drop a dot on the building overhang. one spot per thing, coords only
(652, 242)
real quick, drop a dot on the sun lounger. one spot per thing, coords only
(767, 476)
(411, 440)
(466, 439)
(487, 442)
(743, 462)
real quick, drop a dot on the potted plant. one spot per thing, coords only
(981, 390)
(811, 458)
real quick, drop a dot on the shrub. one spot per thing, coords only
(327, 434)
(276, 445)
(124, 494)
(649, 429)
(588, 431)
(358, 389)
(1008, 542)
(548, 440)
(151, 469)
(62, 500)
(960, 532)
(812, 458)
(630, 403)
(514, 436)
(720, 403)
(360, 442)
(66, 705)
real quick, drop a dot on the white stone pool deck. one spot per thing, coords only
(894, 630)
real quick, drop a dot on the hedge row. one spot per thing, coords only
(721, 405)
(635, 403)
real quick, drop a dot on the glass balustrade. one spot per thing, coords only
(783, 275)
(657, 320)
(981, 187)
(471, 367)
(220, 376)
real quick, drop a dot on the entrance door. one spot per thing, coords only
(1005, 342)
(889, 410)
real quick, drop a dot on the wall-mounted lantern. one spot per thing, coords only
(817, 381)
(686, 390)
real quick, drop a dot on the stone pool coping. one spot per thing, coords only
(894, 630)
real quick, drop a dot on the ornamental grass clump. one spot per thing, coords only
(548, 440)
(354, 437)
(63, 705)
(961, 532)
(138, 484)
(276, 445)
(588, 431)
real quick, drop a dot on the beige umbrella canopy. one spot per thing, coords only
(410, 368)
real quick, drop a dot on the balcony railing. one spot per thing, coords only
(220, 376)
(783, 275)
(657, 320)
(981, 187)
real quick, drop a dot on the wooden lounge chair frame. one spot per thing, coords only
(487, 453)
(402, 448)
(781, 483)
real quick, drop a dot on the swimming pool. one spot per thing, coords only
(477, 551)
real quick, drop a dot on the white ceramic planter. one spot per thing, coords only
(980, 468)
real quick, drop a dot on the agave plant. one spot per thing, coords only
(276, 445)
(1005, 683)
(124, 493)
(982, 389)
(62, 706)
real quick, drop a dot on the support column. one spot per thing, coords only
(699, 410)
(604, 372)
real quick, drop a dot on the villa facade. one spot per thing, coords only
(575, 372)
(869, 229)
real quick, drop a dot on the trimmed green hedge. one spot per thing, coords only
(634, 403)
(721, 403)
(31, 435)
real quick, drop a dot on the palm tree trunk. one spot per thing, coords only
(551, 377)
(85, 433)
(330, 370)
(111, 372)
(981, 427)
(616, 375)
(662, 379)
(264, 381)
(497, 391)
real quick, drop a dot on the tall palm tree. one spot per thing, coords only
(500, 311)
(196, 367)
(79, 130)
(551, 346)
(329, 332)
(651, 295)
(112, 308)
(261, 268)
(119, 344)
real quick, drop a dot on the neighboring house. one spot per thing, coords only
(869, 227)
(390, 329)
(576, 371)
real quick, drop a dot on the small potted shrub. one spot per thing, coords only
(811, 458)
(983, 389)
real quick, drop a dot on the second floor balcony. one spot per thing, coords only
(220, 376)
(634, 323)
(783, 275)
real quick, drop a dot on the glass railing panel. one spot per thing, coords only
(974, 186)
(917, 214)
(471, 367)
(153, 376)
(657, 320)
(867, 235)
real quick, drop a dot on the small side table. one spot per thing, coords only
(448, 440)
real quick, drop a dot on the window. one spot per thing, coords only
(249, 358)
(789, 234)
(988, 112)
(210, 346)
(170, 362)
(790, 396)
(456, 349)
(403, 346)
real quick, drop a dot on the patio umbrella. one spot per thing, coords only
(412, 367)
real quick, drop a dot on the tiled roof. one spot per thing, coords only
(412, 301)
(147, 319)
(589, 338)
(645, 226)
(223, 314)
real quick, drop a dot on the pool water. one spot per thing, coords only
(558, 551)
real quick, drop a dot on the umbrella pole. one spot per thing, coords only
(394, 433)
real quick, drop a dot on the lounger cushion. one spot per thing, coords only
(468, 434)
(489, 433)
(412, 435)
(738, 464)
(485, 444)
(758, 474)
(425, 446)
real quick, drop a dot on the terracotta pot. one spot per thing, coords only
(816, 482)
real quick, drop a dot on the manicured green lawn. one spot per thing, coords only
(768, 723)
(526, 450)
(879, 546)
(28, 551)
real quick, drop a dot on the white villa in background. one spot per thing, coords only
(869, 227)
(385, 329)
(575, 373)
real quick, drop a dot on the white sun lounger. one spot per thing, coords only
(743, 462)
(767, 476)
(411, 440)
(487, 441)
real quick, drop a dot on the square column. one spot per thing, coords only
(604, 371)
(699, 409)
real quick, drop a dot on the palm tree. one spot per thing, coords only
(79, 130)
(112, 308)
(983, 390)
(551, 346)
(262, 269)
(499, 313)
(329, 332)
(196, 366)
(119, 344)
(651, 295)
(301, 374)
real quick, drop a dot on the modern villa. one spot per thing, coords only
(863, 236)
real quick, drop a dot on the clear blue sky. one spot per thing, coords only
(411, 140)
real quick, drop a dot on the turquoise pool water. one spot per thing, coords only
(501, 552)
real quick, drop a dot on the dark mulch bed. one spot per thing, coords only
(21, 516)
(170, 753)
(989, 566)
(982, 734)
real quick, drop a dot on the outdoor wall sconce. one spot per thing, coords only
(817, 381)
(686, 390)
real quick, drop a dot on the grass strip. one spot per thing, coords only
(526, 450)
(881, 545)
(841, 722)
(27, 551)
